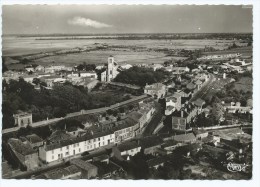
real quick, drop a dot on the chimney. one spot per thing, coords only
(182, 113)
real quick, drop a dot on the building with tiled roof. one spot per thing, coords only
(34, 140)
(70, 172)
(62, 145)
(157, 89)
(24, 152)
(128, 148)
(88, 170)
(185, 138)
(181, 118)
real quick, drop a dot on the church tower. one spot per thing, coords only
(110, 68)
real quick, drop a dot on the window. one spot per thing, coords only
(61, 149)
(98, 139)
(104, 137)
(52, 157)
(79, 150)
(89, 141)
(52, 151)
(74, 145)
(78, 144)
(67, 147)
(67, 153)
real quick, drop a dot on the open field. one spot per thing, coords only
(100, 57)
(16, 46)
(245, 51)
(123, 50)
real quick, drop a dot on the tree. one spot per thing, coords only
(141, 76)
(121, 109)
(249, 43)
(4, 67)
(36, 81)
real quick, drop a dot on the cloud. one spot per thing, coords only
(87, 23)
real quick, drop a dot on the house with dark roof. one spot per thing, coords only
(127, 148)
(181, 118)
(107, 170)
(157, 162)
(70, 172)
(150, 144)
(34, 140)
(88, 170)
(24, 152)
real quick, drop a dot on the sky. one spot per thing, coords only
(93, 19)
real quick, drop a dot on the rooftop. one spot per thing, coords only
(127, 146)
(104, 168)
(20, 147)
(22, 114)
(135, 116)
(33, 138)
(59, 135)
(150, 141)
(184, 137)
(155, 86)
(199, 102)
(82, 164)
(157, 161)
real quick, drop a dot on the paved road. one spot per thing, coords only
(205, 89)
(151, 126)
(83, 112)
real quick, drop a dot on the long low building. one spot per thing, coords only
(66, 147)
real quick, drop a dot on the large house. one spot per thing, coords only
(181, 118)
(22, 119)
(157, 89)
(62, 145)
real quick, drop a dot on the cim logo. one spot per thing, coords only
(233, 167)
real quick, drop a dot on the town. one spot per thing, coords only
(127, 92)
(184, 118)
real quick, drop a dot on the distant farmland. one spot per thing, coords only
(245, 51)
